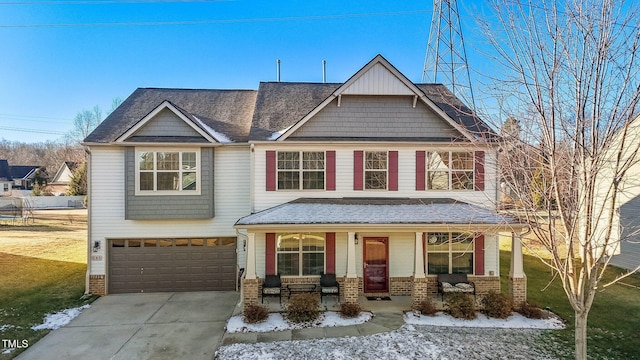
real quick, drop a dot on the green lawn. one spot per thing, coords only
(614, 320)
(43, 271)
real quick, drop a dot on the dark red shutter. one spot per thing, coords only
(358, 162)
(271, 170)
(270, 253)
(330, 249)
(479, 255)
(331, 170)
(479, 171)
(421, 157)
(393, 170)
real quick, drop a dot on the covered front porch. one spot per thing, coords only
(378, 247)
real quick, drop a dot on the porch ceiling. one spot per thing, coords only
(377, 211)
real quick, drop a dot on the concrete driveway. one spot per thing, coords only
(142, 326)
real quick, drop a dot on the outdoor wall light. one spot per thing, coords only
(355, 239)
(96, 246)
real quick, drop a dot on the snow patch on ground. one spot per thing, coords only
(7, 351)
(6, 327)
(59, 319)
(410, 342)
(515, 321)
(276, 322)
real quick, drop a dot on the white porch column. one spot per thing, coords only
(418, 262)
(517, 269)
(351, 255)
(251, 256)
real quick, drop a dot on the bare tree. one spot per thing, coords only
(572, 77)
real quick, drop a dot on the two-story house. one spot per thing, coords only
(383, 182)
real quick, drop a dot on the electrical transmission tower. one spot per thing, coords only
(446, 59)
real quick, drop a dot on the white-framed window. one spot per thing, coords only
(165, 172)
(376, 170)
(450, 170)
(301, 170)
(450, 253)
(300, 254)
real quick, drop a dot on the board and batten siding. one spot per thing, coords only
(107, 200)
(166, 123)
(264, 199)
(376, 117)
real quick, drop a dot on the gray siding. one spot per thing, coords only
(166, 123)
(376, 117)
(171, 206)
(629, 257)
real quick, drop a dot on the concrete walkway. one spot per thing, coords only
(142, 326)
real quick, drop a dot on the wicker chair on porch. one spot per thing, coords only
(329, 286)
(272, 286)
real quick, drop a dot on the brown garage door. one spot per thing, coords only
(152, 265)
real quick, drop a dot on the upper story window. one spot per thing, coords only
(300, 254)
(167, 172)
(449, 253)
(301, 170)
(375, 170)
(450, 170)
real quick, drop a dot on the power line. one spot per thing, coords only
(50, 132)
(221, 21)
(100, 2)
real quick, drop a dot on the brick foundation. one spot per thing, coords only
(350, 290)
(518, 290)
(418, 291)
(251, 291)
(400, 286)
(97, 285)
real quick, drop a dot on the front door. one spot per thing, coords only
(376, 271)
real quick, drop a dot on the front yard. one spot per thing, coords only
(43, 271)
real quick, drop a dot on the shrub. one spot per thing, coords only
(461, 306)
(530, 310)
(350, 310)
(255, 313)
(427, 307)
(497, 305)
(303, 308)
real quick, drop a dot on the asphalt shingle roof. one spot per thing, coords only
(226, 111)
(306, 211)
(5, 170)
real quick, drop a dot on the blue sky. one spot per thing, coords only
(59, 57)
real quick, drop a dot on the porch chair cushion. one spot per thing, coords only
(272, 286)
(328, 285)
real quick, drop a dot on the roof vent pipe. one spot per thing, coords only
(324, 71)
(278, 70)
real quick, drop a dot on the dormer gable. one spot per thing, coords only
(168, 123)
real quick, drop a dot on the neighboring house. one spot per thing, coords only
(383, 182)
(60, 181)
(625, 237)
(6, 181)
(24, 176)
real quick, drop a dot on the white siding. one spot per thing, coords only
(378, 81)
(491, 254)
(231, 198)
(344, 176)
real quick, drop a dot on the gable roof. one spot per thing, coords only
(276, 109)
(23, 171)
(396, 83)
(5, 170)
(228, 112)
(70, 165)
